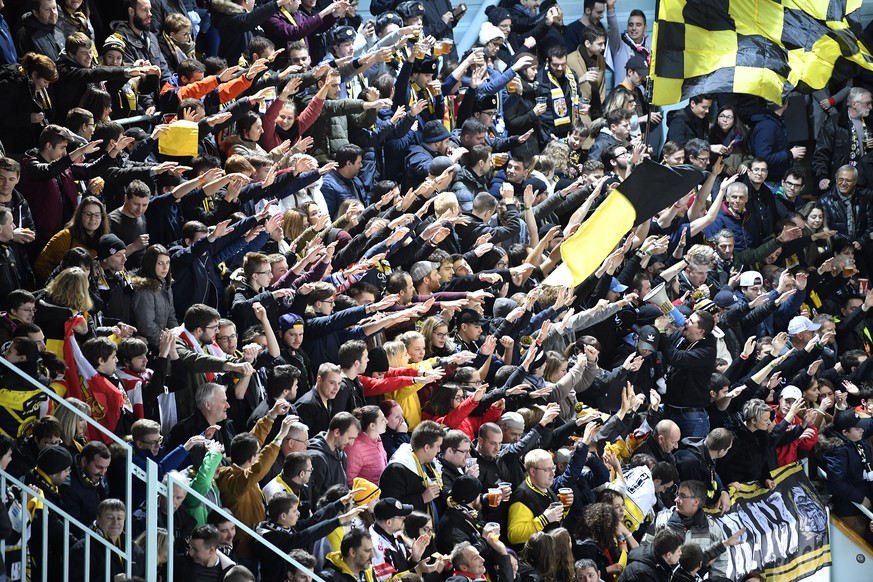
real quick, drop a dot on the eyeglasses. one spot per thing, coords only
(328, 300)
(427, 530)
(92, 215)
(225, 338)
(211, 326)
(296, 441)
(263, 272)
(723, 116)
(464, 452)
(153, 443)
(793, 185)
(759, 171)
(441, 335)
(546, 469)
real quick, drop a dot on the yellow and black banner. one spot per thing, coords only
(648, 189)
(787, 529)
(759, 47)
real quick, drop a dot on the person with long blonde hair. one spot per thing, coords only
(73, 427)
(66, 296)
(162, 547)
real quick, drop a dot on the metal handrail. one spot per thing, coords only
(153, 489)
(131, 469)
(26, 493)
(823, 474)
(173, 481)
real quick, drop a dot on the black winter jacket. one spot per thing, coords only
(838, 218)
(685, 126)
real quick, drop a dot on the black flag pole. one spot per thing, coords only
(648, 99)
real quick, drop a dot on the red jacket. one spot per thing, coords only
(788, 454)
(460, 417)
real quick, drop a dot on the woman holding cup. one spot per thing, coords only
(523, 109)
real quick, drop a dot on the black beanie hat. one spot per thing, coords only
(496, 14)
(54, 459)
(465, 489)
(378, 361)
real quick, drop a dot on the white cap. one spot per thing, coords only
(800, 323)
(791, 392)
(750, 278)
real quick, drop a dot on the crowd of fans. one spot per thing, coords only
(329, 318)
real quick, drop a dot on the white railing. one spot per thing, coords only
(153, 487)
(131, 470)
(27, 494)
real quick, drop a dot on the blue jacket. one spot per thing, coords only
(8, 54)
(418, 163)
(195, 268)
(166, 461)
(336, 189)
(770, 142)
(743, 227)
(324, 335)
(776, 321)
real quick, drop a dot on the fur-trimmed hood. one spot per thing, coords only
(829, 439)
(148, 284)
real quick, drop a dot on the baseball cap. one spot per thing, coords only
(725, 298)
(648, 338)
(290, 320)
(638, 64)
(751, 278)
(791, 392)
(389, 507)
(442, 163)
(800, 323)
(846, 419)
(617, 287)
(470, 316)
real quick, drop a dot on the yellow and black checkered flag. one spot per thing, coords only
(760, 47)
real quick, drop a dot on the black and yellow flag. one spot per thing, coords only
(760, 47)
(649, 189)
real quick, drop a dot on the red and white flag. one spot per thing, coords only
(85, 383)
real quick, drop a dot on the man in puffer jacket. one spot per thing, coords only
(689, 519)
(38, 33)
(140, 43)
